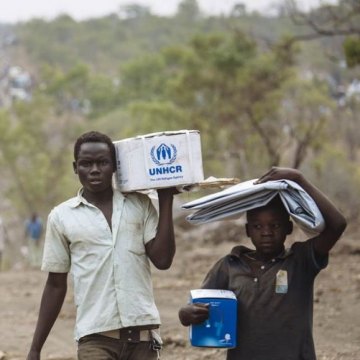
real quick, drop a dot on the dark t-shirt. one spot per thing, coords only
(275, 307)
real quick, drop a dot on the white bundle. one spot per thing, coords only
(238, 199)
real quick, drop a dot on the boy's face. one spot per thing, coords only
(94, 167)
(267, 229)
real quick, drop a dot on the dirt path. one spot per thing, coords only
(336, 319)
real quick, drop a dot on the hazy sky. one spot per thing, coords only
(20, 10)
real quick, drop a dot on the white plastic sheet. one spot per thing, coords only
(236, 200)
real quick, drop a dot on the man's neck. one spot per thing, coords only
(99, 198)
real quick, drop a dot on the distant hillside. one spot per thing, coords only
(104, 43)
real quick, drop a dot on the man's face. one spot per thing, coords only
(268, 229)
(94, 167)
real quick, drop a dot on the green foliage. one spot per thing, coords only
(134, 73)
(34, 151)
(352, 50)
(80, 91)
(153, 116)
(142, 79)
(339, 177)
(306, 114)
(134, 11)
(188, 10)
(105, 43)
(217, 84)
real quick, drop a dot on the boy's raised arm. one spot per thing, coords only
(335, 222)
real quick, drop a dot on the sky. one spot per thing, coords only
(12, 11)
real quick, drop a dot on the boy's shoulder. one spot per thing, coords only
(298, 246)
(238, 251)
(234, 255)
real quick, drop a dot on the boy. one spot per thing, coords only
(106, 239)
(273, 285)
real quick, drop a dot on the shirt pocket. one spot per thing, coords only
(135, 238)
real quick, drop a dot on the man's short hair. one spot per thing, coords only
(96, 137)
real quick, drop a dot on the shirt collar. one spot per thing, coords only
(240, 250)
(79, 199)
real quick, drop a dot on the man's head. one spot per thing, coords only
(95, 161)
(268, 227)
(94, 137)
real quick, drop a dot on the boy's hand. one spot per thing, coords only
(278, 173)
(194, 314)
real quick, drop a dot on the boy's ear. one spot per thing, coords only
(74, 167)
(290, 227)
(247, 230)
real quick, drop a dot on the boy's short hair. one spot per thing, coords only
(96, 137)
(275, 204)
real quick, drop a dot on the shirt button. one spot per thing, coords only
(262, 267)
(256, 279)
(273, 260)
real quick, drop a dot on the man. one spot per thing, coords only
(273, 285)
(33, 232)
(106, 239)
(3, 240)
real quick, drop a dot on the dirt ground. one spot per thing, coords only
(336, 310)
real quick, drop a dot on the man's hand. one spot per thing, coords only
(165, 192)
(194, 314)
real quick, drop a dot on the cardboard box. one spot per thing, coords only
(159, 160)
(219, 330)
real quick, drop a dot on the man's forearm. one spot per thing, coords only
(51, 303)
(161, 249)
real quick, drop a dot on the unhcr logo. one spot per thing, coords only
(164, 155)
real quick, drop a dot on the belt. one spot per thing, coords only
(127, 334)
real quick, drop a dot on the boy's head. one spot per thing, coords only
(268, 227)
(95, 162)
(94, 137)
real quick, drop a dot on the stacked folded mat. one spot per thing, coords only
(236, 200)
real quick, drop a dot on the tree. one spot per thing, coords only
(188, 10)
(330, 20)
(219, 85)
(134, 11)
(238, 10)
(35, 155)
(306, 114)
(79, 91)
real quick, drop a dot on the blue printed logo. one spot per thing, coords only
(163, 154)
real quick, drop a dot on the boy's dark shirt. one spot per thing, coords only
(271, 325)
